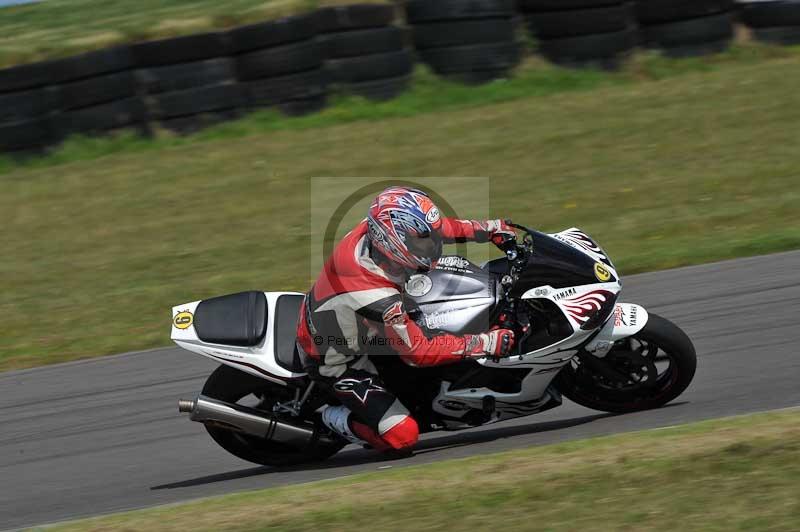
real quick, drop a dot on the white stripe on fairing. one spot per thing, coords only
(396, 413)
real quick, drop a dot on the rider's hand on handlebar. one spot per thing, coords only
(503, 234)
(496, 343)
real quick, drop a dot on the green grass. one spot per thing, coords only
(667, 164)
(724, 475)
(56, 28)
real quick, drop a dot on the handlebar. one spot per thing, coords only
(518, 252)
(527, 230)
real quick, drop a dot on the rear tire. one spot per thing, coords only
(588, 389)
(231, 385)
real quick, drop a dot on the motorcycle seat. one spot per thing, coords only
(287, 310)
(236, 319)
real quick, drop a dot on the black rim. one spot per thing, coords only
(636, 369)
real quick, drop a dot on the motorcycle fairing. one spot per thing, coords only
(457, 297)
(627, 320)
(456, 406)
(261, 360)
(578, 301)
(536, 392)
(559, 261)
(579, 240)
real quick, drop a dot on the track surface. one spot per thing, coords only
(104, 435)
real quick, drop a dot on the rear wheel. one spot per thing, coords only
(645, 371)
(234, 386)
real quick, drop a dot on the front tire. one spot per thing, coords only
(231, 385)
(647, 370)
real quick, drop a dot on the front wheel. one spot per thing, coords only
(644, 371)
(234, 386)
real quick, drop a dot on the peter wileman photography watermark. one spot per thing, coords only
(382, 341)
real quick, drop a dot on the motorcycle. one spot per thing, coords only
(558, 292)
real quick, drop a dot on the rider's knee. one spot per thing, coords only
(402, 435)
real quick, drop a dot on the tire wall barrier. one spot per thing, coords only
(582, 32)
(686, 27)
(365, 54)
(473, 41)
(186, 83)
(280, 64)
(772, 21)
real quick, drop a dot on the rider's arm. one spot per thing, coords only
(457, 231)
(415, 349)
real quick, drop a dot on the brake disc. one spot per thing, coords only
(642, 370)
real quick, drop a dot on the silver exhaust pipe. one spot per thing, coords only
(246, 420)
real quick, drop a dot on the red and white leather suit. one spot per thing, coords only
(358, 296)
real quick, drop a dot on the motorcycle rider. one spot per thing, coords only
(358, 295)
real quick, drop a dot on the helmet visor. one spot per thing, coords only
(427, 245)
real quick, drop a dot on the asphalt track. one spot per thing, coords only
(104, 435)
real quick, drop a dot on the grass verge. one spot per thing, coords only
(668, 172)
(730, 474)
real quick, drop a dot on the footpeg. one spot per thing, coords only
(185, 406)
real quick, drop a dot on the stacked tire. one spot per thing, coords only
(685, 28)
(26, 107)
(472, 41)
(776, 22)
(582, 32)
(365, 54)
(187, 82)
(98, 94)
(279, 65)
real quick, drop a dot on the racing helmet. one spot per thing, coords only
(405, 227)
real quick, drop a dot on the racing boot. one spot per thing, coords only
(336, 419)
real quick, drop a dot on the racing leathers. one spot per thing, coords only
(358, 297)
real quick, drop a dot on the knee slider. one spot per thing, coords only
(403, 435)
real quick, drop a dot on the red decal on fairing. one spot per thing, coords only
(582, 307)
(619, 317)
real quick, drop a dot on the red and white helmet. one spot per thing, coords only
(405, 226)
